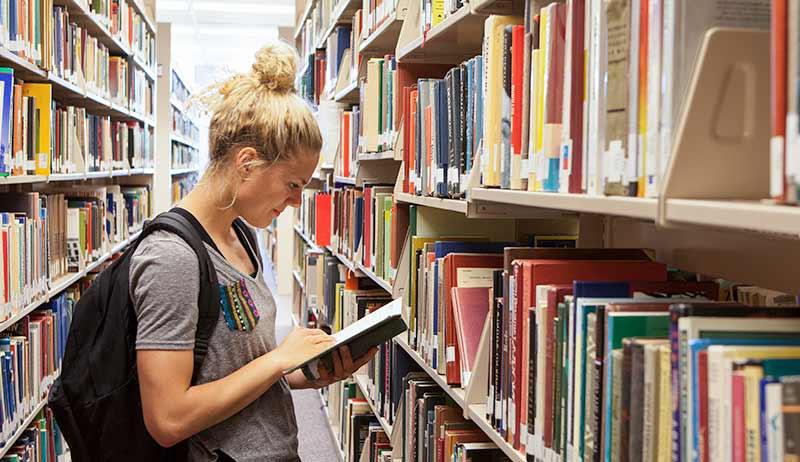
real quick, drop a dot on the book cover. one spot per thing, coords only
(470, 308)
(40, 96)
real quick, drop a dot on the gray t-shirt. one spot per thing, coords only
(165, 282)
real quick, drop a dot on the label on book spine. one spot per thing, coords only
(776, 166)
(450, 354)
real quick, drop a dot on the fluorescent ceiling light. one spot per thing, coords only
(248, 8)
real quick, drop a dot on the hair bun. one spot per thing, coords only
(275, 67)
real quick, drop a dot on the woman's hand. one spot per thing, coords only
(301, 345)
(343, 366)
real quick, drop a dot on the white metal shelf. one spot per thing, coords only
(314, 247)
(635, 207)
(456, 393)
(385, 285)
(458, 206)
(363, 384)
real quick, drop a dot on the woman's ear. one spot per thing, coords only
(245, 159)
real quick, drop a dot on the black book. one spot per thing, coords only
(449, 80)
(498, 285)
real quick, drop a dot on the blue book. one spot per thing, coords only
(7, 95)
(342, 44)
(470, 76)
(478, 106)
(442, 248)
(443, 144)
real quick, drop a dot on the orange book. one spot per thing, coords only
(411, 147)
(778, 96)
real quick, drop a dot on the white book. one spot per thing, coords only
(565, 148)
(774, 422)
(596, 106)
(652, 159)
(631, 171)
(541, 306)
(651, 399)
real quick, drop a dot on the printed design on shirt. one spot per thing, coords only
(238, 307)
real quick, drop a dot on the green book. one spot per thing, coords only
(621, 325)
(387, 239)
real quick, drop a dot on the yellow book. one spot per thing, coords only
(544, 63)
(43, 102)
(437, 12)
(534, 117)
(752, 414)
(493, 95)
(664, 426)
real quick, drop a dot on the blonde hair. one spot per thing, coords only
(260, 109)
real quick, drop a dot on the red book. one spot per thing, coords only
(367, 228)
(406, 134)
(470, 308)
(555, 295)
(462, 269)
(778, 94)
(738, 414)
(576, 96)
(322, 219)
(702, 394)
(517, 55)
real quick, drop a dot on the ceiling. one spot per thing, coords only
(211, 39)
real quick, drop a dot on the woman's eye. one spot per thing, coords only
(294, 186)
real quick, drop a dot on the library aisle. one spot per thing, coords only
(315, 439)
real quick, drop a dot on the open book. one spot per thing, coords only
(373, 329)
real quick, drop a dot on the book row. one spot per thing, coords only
(40, 136)
(183, 125)
(71, 53)
(125, 24)
(567, 98)
(42, 440)
(31, 352)
(184, 156)
(182, 186)
(393, 392)
(178, 89)
(557, 324)
(46, 236)
(364, 224)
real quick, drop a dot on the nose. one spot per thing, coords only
(296, 198)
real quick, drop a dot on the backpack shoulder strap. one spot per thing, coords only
(249, 236)
(208, 300)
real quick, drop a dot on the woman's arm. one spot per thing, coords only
(175, 410)
(343, 367)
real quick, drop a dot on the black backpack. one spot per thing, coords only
(96, 400)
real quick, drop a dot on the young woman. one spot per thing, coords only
(264, 146)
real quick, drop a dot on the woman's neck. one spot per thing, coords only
(216, 221)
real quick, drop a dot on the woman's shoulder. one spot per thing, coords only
(167, 251)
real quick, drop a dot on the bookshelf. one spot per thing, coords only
(710, 212)
(361, 380)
